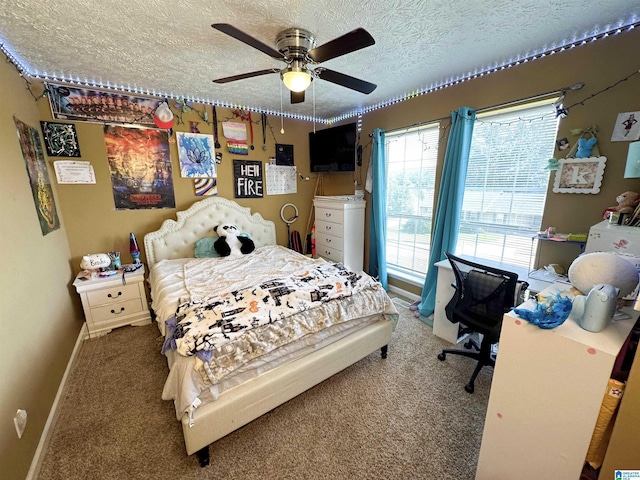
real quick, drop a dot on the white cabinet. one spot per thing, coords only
(340, 230)
(546, 394)
(110, 302)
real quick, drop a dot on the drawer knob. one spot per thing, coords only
(328, 240)
(118, 313)
(111, 296)
(327, 252)
(327, 227)
(327, 215)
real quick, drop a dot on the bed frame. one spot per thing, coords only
(244, 403)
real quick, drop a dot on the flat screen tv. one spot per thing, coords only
(333, 149)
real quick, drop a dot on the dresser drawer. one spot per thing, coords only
(330, 241)
(121, 309)
(330, 215)
(329, 253)
(327, 228)
(107, 296)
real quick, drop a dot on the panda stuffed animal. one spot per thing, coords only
(230, 242)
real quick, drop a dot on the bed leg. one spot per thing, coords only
(203, 456)
(383, 351)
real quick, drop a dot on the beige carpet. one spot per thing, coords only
(406, 417)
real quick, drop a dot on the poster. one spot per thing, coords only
(196, 154)
(627, 127)
(140, 166)
(38, 177)
(87, 105)
(247, 179)
(60, 139)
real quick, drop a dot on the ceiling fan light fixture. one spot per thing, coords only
(296, 81)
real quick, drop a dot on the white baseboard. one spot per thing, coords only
(36, 463)
(404, 293)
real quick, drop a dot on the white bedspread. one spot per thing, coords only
(176, 281)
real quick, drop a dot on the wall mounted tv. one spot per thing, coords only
(333, 149)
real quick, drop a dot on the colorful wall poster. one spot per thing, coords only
(140, 166)
(38, 177)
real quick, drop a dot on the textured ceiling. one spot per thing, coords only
(169, 47)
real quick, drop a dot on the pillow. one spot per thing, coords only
(204, 248)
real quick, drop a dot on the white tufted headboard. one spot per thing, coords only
(176, 239)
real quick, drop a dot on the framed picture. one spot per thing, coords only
(60, 139)
(579, 175)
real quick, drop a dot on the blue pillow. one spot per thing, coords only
(204, 248)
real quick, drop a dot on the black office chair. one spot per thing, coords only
(482, 296)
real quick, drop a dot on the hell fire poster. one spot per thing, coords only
(140, 165)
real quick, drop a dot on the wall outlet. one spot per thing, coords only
(20, 421)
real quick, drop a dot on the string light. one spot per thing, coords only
(353, 113)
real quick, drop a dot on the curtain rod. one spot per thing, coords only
(575, 86)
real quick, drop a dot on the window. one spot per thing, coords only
(506, 183)
(411, 169)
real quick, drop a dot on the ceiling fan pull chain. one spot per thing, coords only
(281, 112)
(313, 93)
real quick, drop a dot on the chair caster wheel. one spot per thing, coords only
(469, 388)
(468, 345)
(441, 357)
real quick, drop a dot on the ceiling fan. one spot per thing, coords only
(297, 48)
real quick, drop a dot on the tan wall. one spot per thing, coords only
(38, 317)
(599, 65)
(94, 225)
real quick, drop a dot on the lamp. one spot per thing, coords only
(632, 170)
(296, 78)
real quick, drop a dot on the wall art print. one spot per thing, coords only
(140, 166)
(38, 177)
(87, 105)
(60, 139)
(196, 154)
(627, 127)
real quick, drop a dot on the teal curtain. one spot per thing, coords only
(449, 206)
(378, 220)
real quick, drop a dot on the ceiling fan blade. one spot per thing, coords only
(246, 75)
(297, 97)
(249, 40)
(347, 43)
(345, 80)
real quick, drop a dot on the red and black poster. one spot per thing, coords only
(140, 166)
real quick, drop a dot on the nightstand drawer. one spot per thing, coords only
(121, 309)
(330, 215)
(112, 295)
(329, 253)
(334, 229)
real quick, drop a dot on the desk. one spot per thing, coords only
(442, 327)
(545, 397)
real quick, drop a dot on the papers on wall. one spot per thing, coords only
(72, 172)
(281, 179)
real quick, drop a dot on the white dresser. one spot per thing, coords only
(109, 303)
(340, 230)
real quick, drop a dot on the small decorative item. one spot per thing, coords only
(134, 249)
(548, 314)
(93, 263)
(579, 175)
(627, 202)
(115, 260)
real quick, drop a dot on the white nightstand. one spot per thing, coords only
(108, 303)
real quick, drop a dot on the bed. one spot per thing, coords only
(221, 379)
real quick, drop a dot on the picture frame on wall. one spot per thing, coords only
(579, 175)
(627, 127)
(60, 139)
